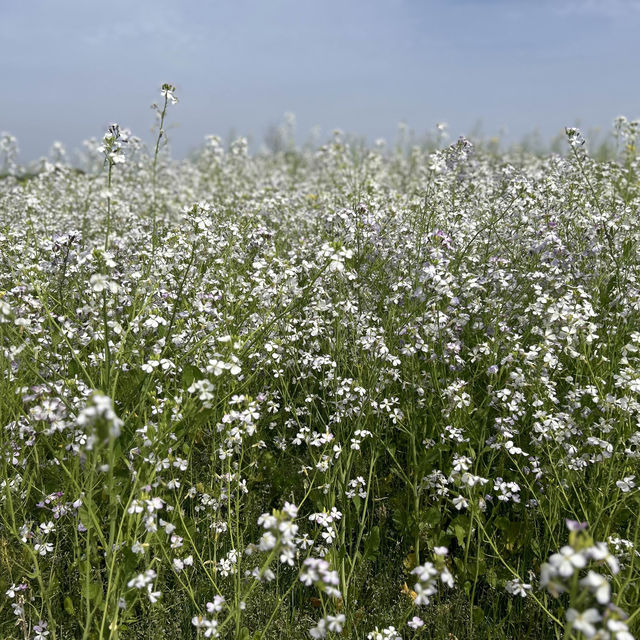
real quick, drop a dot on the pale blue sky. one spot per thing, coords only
(70, 67)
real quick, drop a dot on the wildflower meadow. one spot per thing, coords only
(375, 392)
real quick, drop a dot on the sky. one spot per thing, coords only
(69, 68)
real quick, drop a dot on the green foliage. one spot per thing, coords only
(222, 369)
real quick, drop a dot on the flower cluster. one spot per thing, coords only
(112, 142)
(317, 572)
(209, 623)
(411, 348)
(280, 536)
(592, 612)
(427, 576)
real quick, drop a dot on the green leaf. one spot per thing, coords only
(68, 605)
(130, 561)
(190, 374)
(443, 540)
(85, 518)
(372, 543)
(432, 516)
(460, 533)
(93, 592)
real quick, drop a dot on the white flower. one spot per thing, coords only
(548, 575)
(210, 626)
(423, 594)
(291, 510)
(600, 552)
(574, 137)
(425, 572)
(154, 596)
(217, 604)
(567, 561)
(267, 542)
(99, 283)
(320, 630)
(336, 623)
(41, 631)
(447, 577)
(460, 502)
(583, 622)
(135, 507)
(388, 633)
(517, 588)
(47, 527)
(620, 629)
(142, 579)
(626, 484)
(415, 622)
(167, 92)
(216, 367)
(598, 585)
(43, 548)
(137, 547)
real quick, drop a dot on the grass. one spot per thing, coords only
(353, 392)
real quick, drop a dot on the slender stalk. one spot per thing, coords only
(154, 175)
(108, 230)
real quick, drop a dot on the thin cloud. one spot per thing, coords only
(163, 30)
(604, 8)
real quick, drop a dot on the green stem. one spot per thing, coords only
(154, 175)
(108, 231)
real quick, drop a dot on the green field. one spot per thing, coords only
(331, 391)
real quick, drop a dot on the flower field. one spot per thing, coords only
(332, 392)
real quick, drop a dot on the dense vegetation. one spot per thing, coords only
(346, 392)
